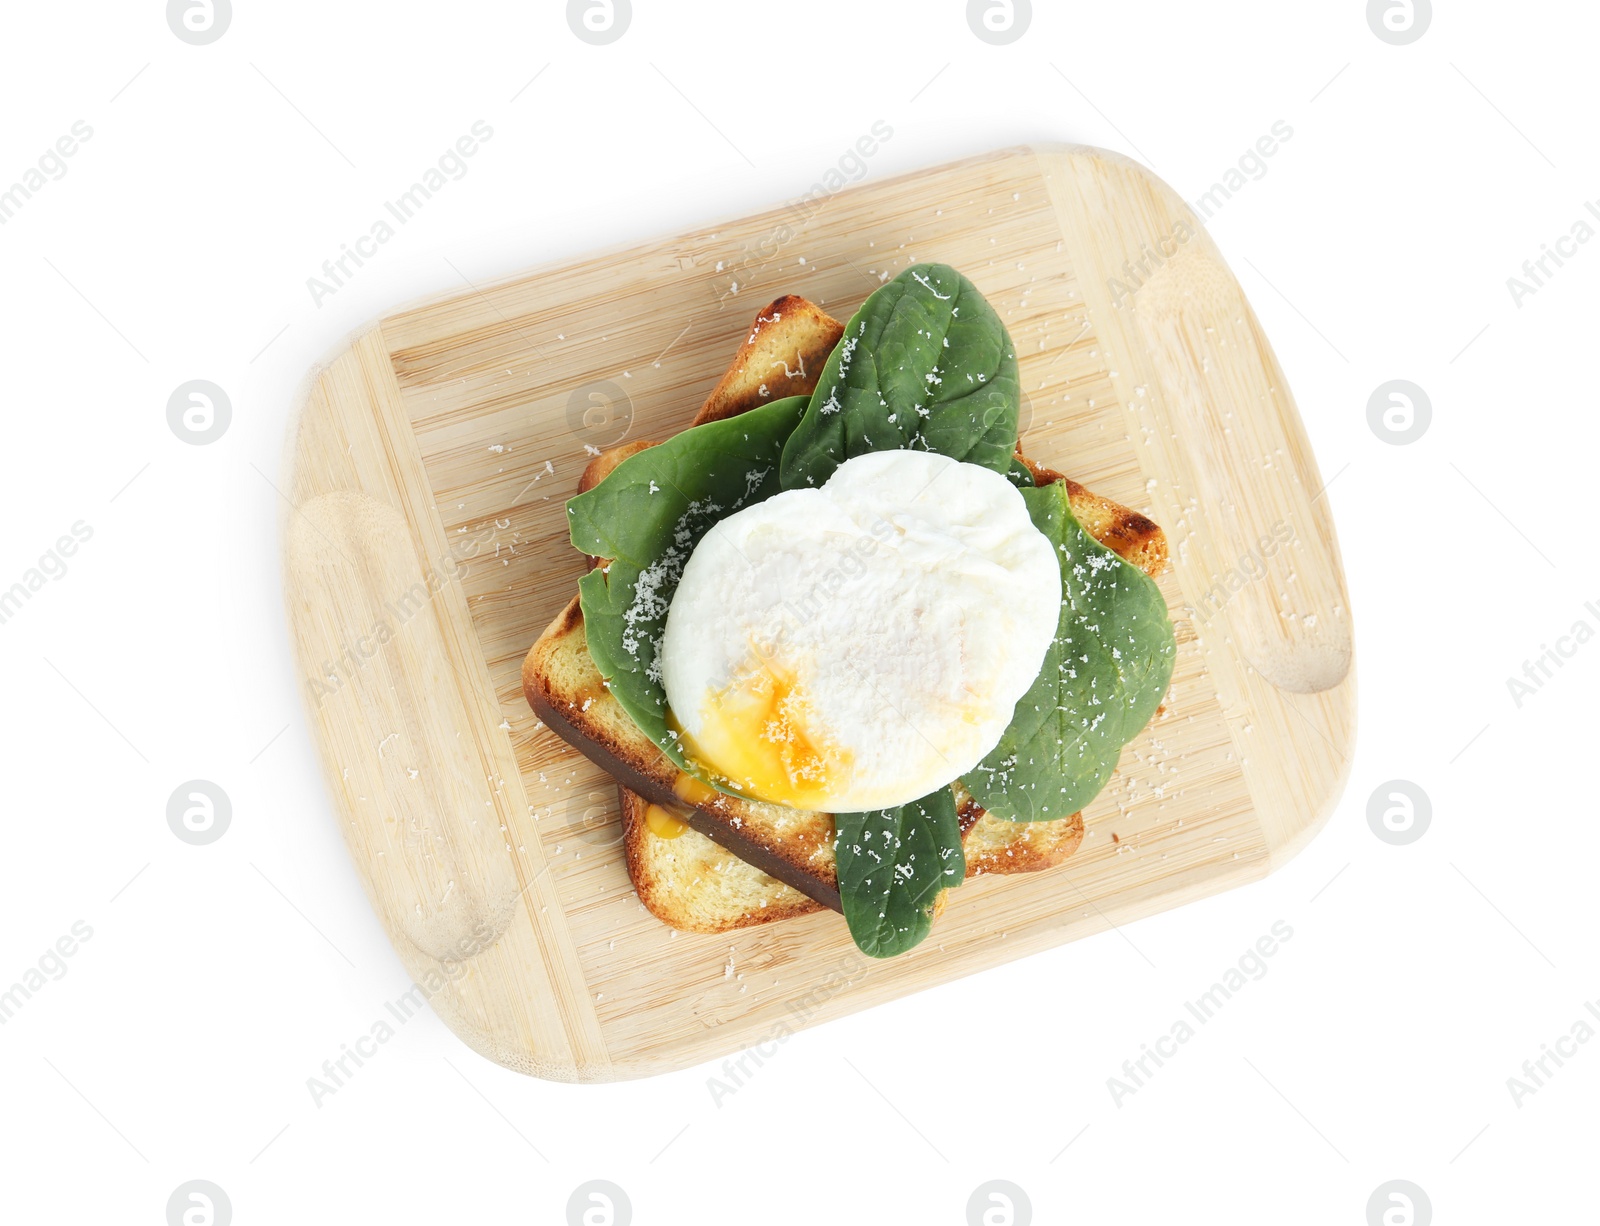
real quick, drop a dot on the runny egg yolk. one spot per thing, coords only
(759, 734)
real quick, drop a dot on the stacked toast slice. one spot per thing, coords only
(704, 861)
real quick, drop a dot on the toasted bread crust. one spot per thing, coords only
(999, 848)
(782, 355)
(599, 468)
(1131, 536)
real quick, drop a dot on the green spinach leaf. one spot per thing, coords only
(1103, 677)
(647, 516)
(925, 363)
(892, 864)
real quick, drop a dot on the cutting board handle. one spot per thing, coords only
(415, 746)
(1208, 403)
(429, 843)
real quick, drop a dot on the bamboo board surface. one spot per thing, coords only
(427, 548)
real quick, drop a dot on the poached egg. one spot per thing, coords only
(857, 645)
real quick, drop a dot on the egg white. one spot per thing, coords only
(857, 645)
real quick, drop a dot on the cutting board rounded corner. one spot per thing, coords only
(1287, 840)
(306, 392)
(414, 744)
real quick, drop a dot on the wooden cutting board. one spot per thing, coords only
(427, 549)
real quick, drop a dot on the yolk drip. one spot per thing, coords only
(688, 788)
(755, 734)
(662, 824)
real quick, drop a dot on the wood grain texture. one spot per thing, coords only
(427, 547)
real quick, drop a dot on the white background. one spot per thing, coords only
(218, 979)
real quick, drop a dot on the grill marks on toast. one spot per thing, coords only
(1132, 537)
(741, 862)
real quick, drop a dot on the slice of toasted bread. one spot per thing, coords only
(694, 884)
(691, 882)
(782, 355)
(783, 858)
(567, 692)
